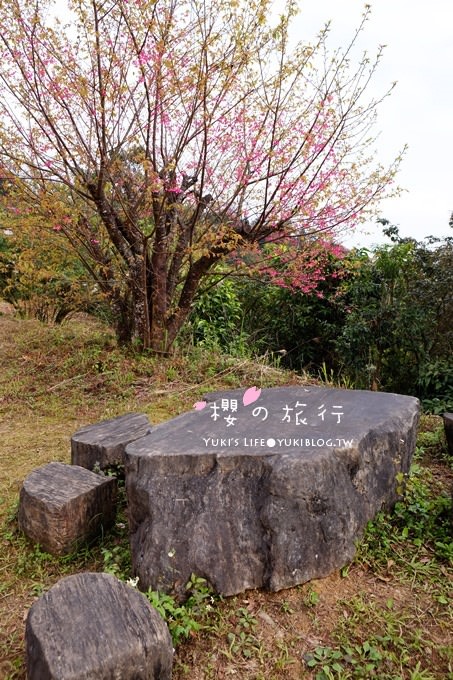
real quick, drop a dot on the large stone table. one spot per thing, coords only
(269, 494)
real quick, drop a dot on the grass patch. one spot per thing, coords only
(387, 615)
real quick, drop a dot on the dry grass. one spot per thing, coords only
(56, 379)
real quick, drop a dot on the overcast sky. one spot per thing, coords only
(419, 56)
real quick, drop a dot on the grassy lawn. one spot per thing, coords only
(388, 615)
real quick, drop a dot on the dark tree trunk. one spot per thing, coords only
(158, 303)
(122, 321)
(140, 302)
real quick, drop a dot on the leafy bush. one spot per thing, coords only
(435, 382)
(296, 329)
(397, 334)
(42, 280)
(216, 319)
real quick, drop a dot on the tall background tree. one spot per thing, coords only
(163, 137)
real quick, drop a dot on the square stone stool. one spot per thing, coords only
(104, 443)
(61, 506)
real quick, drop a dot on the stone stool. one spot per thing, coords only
(61, 506)
(104, 443)
(94, 627)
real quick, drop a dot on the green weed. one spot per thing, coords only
(419, 523)
(358, 661)
(311, 599)
(242, 640)
(185, 619)
(117, 561)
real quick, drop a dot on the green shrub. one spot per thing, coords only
(216, 319)
(435, 382)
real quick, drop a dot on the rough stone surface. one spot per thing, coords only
(94, 627)
(104, 443)
(448, 427)
(61, 506)
(264, 501)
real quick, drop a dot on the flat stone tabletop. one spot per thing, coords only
(282, 420)
(264, 489)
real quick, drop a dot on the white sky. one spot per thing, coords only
(419, 56)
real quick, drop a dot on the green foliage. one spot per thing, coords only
(420, 517)
(420, 521)
(379, 320)
(397, 334)
(393, 641)
(242, 640)
(358, 661)
(42, 278)
(296, 329)
(216, 319)
(431, 441)
(368, 345)
(117, 561)
(312, 598)
(435, 383)
(6, 262)
(4, 243)
(184, 620)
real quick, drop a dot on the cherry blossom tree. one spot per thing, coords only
(163, 138)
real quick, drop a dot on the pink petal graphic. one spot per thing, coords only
(250, 395)
(199, 406)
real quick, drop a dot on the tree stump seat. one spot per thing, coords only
(92, 626)
(103, 444)
(61, 506)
